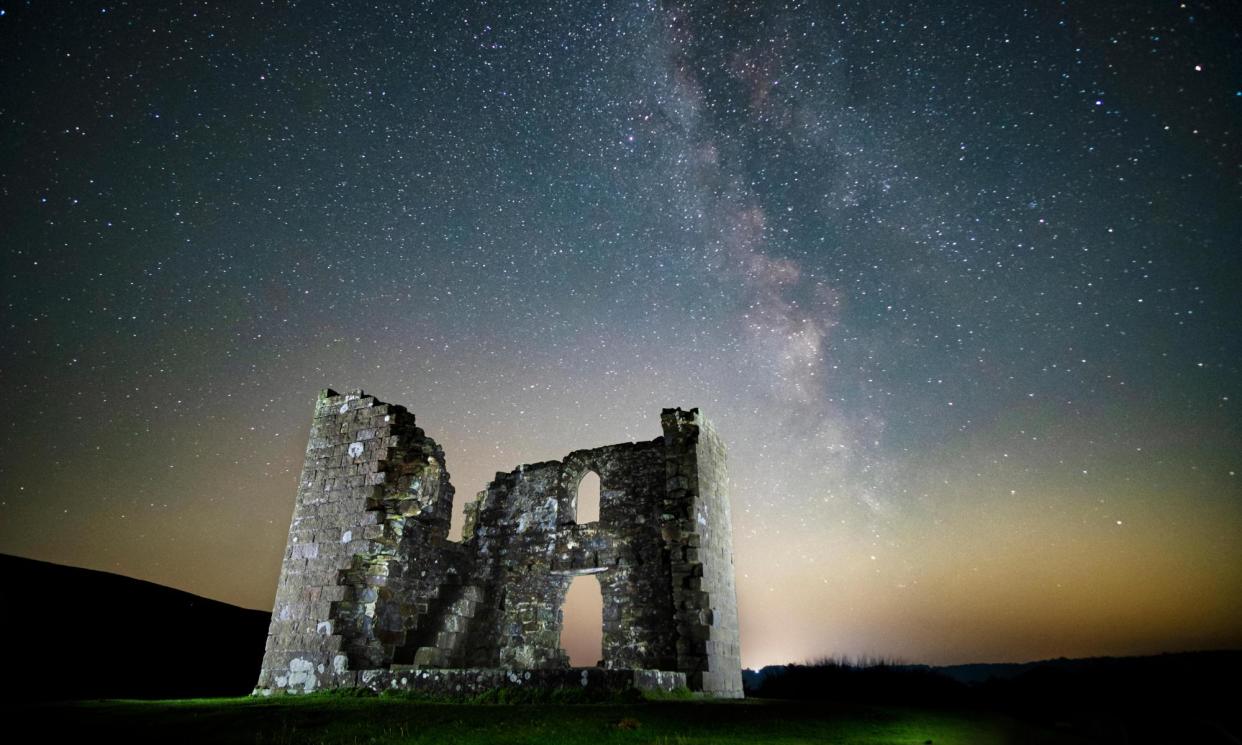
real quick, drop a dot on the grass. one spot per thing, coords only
(345, 720)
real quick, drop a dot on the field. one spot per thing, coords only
(329, 720)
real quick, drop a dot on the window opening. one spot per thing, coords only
(586, 509)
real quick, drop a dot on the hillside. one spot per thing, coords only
(78, 633)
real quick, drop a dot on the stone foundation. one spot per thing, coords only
(472, 681)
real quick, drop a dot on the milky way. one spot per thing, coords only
(957, 283)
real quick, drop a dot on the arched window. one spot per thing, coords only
(582, 622)
(586, 504)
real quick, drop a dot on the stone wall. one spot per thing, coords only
(368, 545)
(697, 526)
(463, 683)
(371, 583)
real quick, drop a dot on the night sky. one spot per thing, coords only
(958, 283)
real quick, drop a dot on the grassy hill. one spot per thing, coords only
(78, 633)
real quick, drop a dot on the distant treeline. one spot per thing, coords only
(868, 680)
(1182, 697)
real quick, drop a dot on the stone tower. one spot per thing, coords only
(373, 593)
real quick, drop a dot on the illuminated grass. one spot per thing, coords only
(330, 720)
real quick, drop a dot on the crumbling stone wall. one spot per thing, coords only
(697, 528)
(371, 583)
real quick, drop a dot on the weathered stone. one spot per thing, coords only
(372, 589)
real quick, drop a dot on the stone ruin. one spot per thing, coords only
(372, 592)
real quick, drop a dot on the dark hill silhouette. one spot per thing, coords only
(76, 633)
